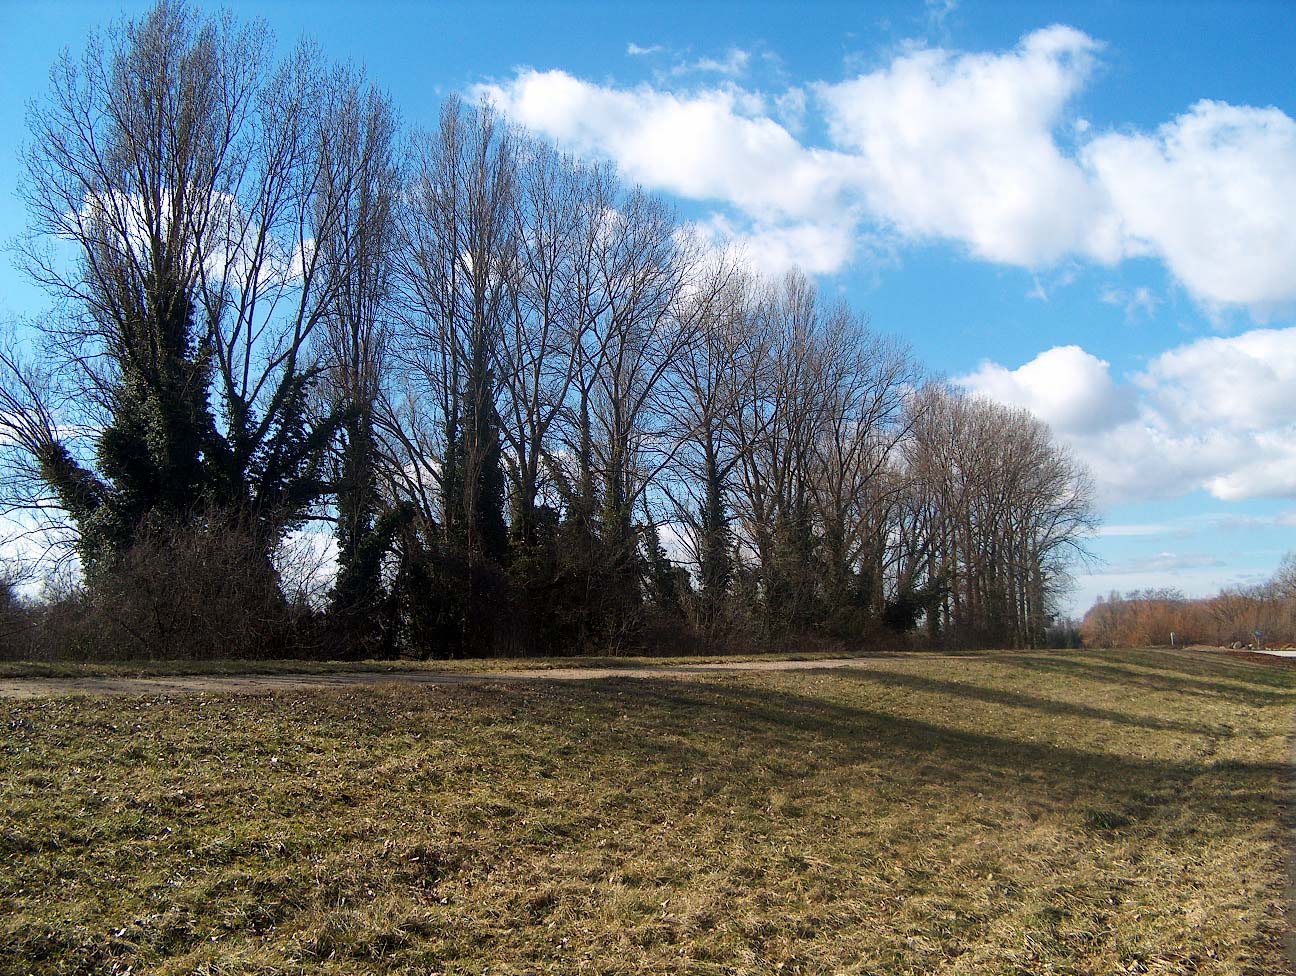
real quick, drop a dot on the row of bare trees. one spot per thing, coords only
(538, 414)
(1148, 618)
(1000, 511)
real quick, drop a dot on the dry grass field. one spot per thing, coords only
(1078, 812)
(223, 667)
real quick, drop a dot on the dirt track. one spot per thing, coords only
(260, 684)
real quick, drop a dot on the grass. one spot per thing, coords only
(1080, 812)
(242, 666)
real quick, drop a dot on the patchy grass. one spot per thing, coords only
(241, 666)
(1085, 812)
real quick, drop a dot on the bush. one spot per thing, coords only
(14, 623)
(207, 591)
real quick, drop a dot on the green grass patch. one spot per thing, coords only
(1079, 812)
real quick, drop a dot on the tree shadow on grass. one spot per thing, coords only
(1274, 673)
(1114, 674)
(780, 723)
(1014, 699)
(646, 740)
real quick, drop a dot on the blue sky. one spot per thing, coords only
(1086, 209)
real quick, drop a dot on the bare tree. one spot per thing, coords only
(186, 181)
(354, 343)
(706, 397)
(1008, 509)
(557, 209)
(865, 380)
(772, 430)
(457, 261)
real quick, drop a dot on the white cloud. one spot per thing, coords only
(1135, 301)
(816, 248)
(787, 203)
(1285, 519)
(1214, 414)
(1243, 383)
(960, 146)
(1161, 563)
(1138, 529)
(938, 10)
(1212, 194)
(230, 238)
(1066, 387)
(1044, 286)
(706, 146)
(1266, 469)
(980, 149)
(733, 63)
(1190, 525)
(790, 108)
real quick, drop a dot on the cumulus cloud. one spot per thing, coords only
(984, 150)
(961, 147)
(785, 203)
(712, 145)
(1214, 414)
(816, 248)
(1210, 193)
(1244, 382)
(1066, 387)
(1264, 471)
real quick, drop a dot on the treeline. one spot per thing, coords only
(1147, 618)
(537, 413)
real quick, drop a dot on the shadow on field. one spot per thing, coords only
(401, 827)
(1114, 674)
(795, 735)
(1014, 699)
(1256, 670)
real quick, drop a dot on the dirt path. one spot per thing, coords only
(259, 684)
